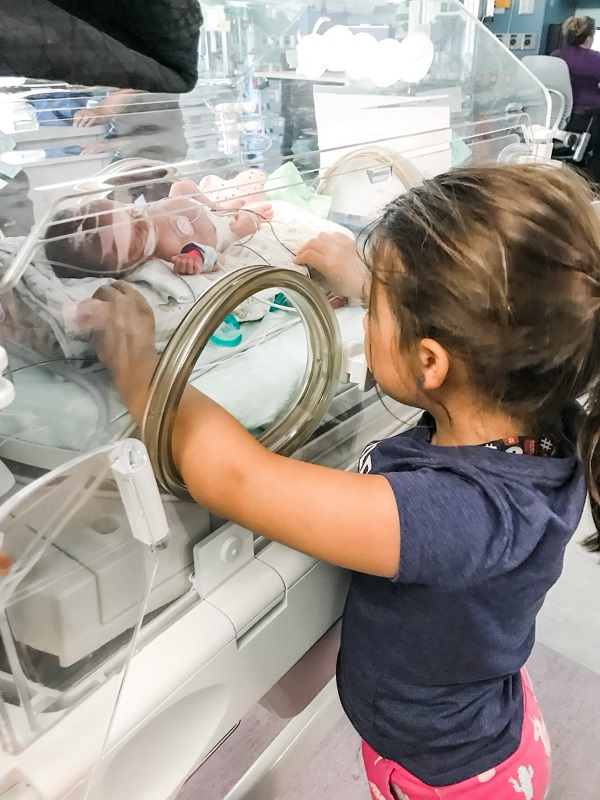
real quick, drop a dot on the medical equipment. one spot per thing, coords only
(130, 652)
(228, 334)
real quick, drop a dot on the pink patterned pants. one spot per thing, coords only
(523, 776)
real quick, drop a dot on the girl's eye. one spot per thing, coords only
(364, 304)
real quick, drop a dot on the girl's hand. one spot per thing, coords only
(186, 188)
(123, 327)
(335, 257)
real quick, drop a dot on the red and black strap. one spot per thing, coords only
(544, 446)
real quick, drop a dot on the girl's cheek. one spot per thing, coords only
(367, 346)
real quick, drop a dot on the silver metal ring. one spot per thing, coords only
(316, 392)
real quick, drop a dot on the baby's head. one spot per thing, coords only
(500, 266)
(100, 238)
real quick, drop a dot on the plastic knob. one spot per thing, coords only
(231, 549)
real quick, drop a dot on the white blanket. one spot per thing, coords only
(171, 296)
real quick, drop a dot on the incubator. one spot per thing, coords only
(137, 629)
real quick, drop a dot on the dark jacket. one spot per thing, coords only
(150, 45)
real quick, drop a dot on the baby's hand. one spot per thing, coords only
(188, 264)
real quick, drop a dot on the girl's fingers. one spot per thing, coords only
(309, 256)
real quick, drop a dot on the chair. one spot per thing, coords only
(553, 73)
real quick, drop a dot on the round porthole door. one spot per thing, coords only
(208, 321)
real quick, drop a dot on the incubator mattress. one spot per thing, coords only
(255, 382)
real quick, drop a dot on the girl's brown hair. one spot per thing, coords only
(578, 30)
(501, 265)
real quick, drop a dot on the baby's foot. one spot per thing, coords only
(264, 210)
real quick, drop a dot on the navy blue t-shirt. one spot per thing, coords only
(428, 671)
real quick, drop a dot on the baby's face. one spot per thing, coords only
(123, 238)
(122, 235)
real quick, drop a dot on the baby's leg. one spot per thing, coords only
(188, 188)
(248, 220)
(247, 187)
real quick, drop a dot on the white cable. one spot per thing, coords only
(272, 304)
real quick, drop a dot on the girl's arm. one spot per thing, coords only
(344, 518)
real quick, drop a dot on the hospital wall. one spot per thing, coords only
(532, 17)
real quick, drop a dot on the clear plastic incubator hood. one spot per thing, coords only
(137, 629)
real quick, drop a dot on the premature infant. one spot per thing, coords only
(110, 238)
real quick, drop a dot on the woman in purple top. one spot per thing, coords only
(583, 62)
(584, 70)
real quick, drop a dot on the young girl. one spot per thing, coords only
(483, 294)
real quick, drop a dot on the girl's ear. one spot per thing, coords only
(433, 365)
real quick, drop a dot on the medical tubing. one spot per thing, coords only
(19, 678)
(131, 650)
(402, 168)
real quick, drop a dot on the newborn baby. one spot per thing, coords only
(113, 239)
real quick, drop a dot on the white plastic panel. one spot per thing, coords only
(78, 586)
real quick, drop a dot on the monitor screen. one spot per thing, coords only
(596, 42)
